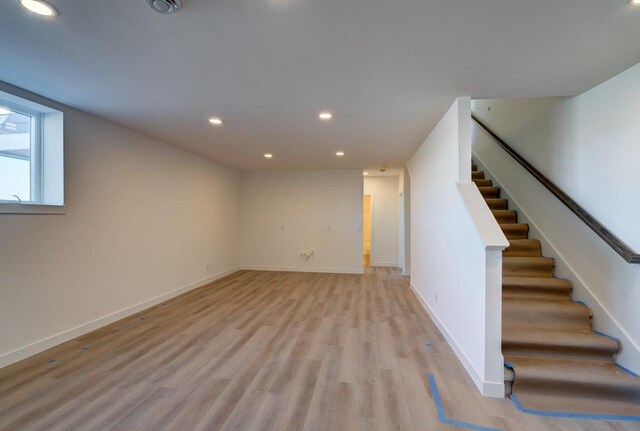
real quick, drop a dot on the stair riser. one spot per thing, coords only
(571, 387)
(482, 183)
(524, 249)
(497, 204)
(540, 293)
(580, 352)
(526, 270)
(505, 216)
(490, 192)
(515, 231)
(569, 319)
(533, 295)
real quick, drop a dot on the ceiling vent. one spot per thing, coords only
(165, 6)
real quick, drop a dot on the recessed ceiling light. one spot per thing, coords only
(40, 7)
(268, 155)
(4, 111)
(325, 115)
(340, 153)
(365, 173)
(215, 121)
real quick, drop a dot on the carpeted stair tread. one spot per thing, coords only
(489, 192)
(497, 204)
(549, 288)
(527, 266)
(596, 387)
(505, 216)
(527, 341)
(523, 248)
(515, 230)
(482, 182)
(542, 314)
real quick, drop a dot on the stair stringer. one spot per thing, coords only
(603, 320)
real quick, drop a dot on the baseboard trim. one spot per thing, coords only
(386, 264)
(303, 269)
(486, 388)
(69, 334)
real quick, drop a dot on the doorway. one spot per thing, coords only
(366, 230)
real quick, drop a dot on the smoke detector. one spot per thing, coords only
(165, 6)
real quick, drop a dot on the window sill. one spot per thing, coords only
(15, 208)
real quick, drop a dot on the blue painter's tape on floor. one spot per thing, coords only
(142, 318)
(428, 345)
(51, 361)
(441, 414)
(85, 348)
(520, 407)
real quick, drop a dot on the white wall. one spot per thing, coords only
(285, 213)
(456, 244)
(385, 219)
(143, 220)
(589, 145)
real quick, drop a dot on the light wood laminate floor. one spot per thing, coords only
(262, 351)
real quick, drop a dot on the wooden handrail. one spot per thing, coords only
(614, 242)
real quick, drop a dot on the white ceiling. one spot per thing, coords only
(387, 69)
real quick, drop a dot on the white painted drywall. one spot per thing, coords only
(143, 220)
(285, 213)
(385, 219)
(455, 251)
(589, 145)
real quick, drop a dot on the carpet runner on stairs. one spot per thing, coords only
(558, 363)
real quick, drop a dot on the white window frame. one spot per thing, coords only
(41, 201)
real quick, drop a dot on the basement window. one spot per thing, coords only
(31, 157)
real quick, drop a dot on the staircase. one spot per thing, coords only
(556, 362)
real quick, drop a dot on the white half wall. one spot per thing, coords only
(456, 249)
(144, 222)
(286, 213)
(385, 219)
(588, 145)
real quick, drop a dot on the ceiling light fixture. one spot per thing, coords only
(4, 111)
(215, 121)
(268, 155)
(365, 173)
(634, 2)
(340, 153)
(165, 6)
(325, 115)
(39, 7)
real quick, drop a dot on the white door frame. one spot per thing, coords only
(372, 216)
(401, 227)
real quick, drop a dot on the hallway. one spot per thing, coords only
(262, 350)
